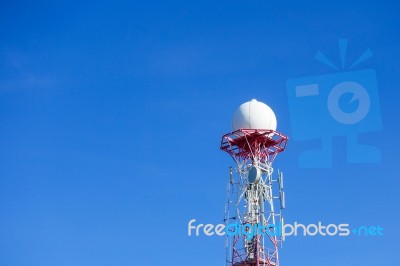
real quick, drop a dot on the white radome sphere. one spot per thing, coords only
(254, 115)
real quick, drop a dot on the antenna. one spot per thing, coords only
(282, 199)
(280, 180)
(230, 175)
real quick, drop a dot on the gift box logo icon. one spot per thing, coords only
(344, 103)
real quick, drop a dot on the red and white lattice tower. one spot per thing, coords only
(254, 144)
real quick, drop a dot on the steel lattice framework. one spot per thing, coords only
(251, 201)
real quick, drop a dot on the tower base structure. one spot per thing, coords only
(250, 196)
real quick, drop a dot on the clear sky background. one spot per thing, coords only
(111, 115)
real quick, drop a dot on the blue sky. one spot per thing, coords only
(111, 116)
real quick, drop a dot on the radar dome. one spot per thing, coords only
(254, 115)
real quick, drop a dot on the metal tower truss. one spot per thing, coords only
(251, 198)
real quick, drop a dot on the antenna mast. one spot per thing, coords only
(253, 192)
